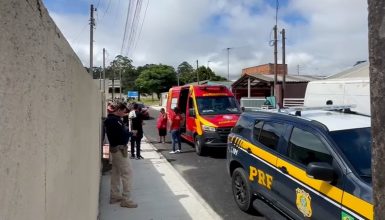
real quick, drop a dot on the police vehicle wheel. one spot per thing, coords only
(199, 149)
(241, 190)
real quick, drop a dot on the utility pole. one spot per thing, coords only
(197, 73)
(92, 24)
(104, 85)
(208, 64)
(275, 59)
(228, 63)
(376, 19)
(298, 69)
(104, 71)
(113, 83)
(120, 84)
(283, 63)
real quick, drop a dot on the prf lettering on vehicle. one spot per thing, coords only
(263, 178)
(233, 150)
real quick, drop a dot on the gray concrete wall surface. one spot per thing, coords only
(50, 112)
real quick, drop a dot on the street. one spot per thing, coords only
(207, 174)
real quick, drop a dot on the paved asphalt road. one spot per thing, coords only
(207, 175)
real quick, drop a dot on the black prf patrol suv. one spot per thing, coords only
(312, 164)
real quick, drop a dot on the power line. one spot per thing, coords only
(132, 21)
(80, 33)
(135, 22)
(105, 11)
(97, 5)
(117, 12)
(125, 28)
(141, 26)
(276, 12)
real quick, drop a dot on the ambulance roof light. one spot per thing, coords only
(213, 88)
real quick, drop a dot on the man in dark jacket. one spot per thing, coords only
(136, 127)
(118, 137)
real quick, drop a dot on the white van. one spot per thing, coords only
(342, 91)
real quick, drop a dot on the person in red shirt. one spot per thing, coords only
(175, 121)
(161, 124)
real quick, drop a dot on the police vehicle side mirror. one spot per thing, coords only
(320, 171)
(191, 112)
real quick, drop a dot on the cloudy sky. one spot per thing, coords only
(323, 36)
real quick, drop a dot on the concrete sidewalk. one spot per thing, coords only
(159, 190)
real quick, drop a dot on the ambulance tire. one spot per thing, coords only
(199, 147)
(241, 190)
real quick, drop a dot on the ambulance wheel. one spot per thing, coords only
(198, 144)
(241, 190)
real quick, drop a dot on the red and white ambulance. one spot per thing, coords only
(210, 111)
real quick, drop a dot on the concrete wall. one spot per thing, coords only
(49, 120)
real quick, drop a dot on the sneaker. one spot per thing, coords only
(115, 200)
(132, 157)
(172, 152)
(128, 204)
(139, 157)
(178, 151)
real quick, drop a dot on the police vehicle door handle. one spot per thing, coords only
(284, 170)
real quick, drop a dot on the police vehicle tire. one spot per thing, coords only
(241, 190)
(198, 144)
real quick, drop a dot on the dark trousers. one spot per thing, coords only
(135, 142)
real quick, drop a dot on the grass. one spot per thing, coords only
(149, 101)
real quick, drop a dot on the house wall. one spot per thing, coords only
(295, 90)
(255, 92)
(50, 115)
(265, 69)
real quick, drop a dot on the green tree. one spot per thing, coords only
(129, 73)
(186, 73)
(205, 73)
(155, 78)
(95, 72)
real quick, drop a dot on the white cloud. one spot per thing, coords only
(332, 37)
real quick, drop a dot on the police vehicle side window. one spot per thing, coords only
(241, 124)
(257, 129)
(270, 134)
(304, 147)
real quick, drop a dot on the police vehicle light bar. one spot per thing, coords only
(325, 107)
(299, 109)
